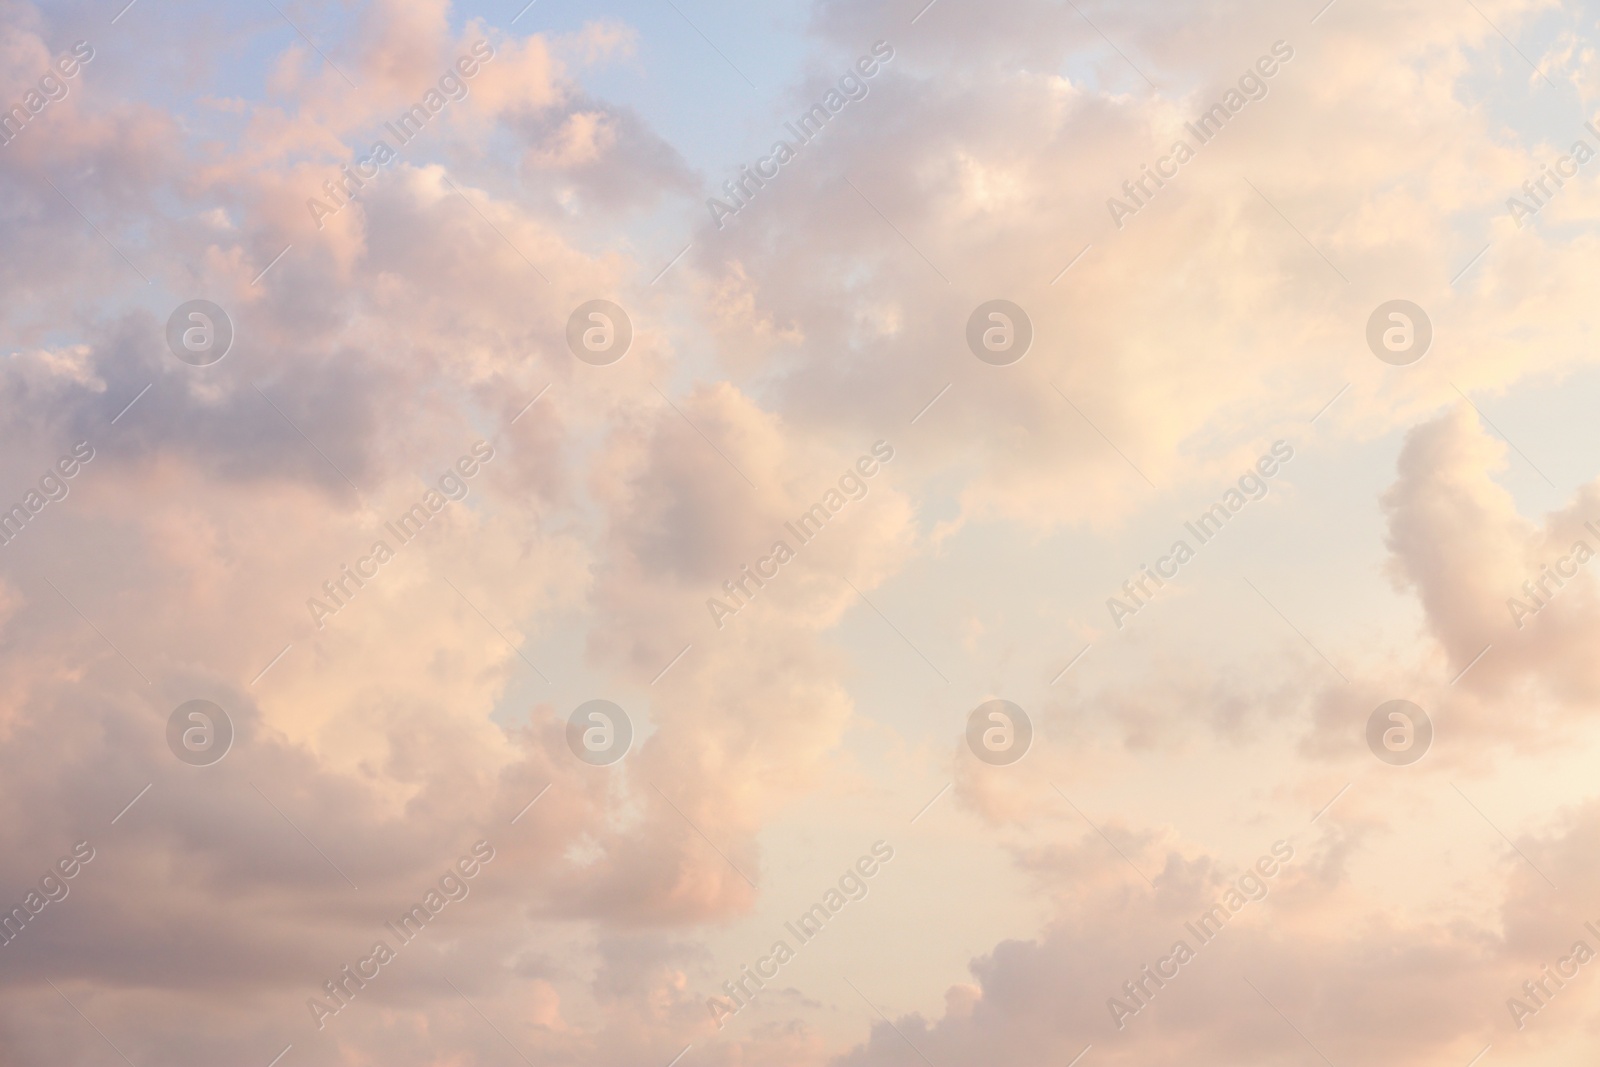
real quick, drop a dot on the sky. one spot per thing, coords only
(699, 535)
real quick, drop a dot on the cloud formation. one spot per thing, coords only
(383, 329)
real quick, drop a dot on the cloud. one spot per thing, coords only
(624, 502)
(1481, 571)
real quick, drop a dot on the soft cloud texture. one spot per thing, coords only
(822, 324)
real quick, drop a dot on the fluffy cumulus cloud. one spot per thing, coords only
(797, 530)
